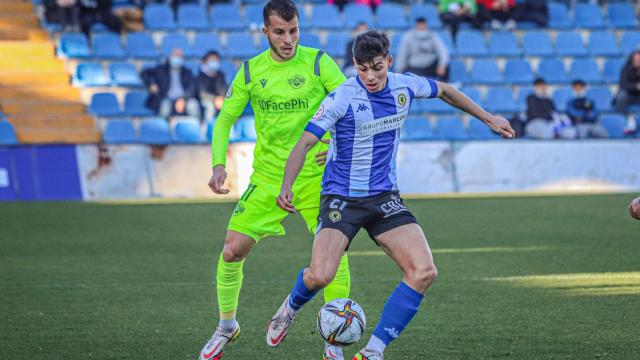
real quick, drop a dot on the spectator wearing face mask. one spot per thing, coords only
(212, 84)
(172, 87)
(423, 53)
(543, 121)
(583, 113)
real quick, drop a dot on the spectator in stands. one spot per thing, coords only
(172, 87)
(423, 52)
(212, 84)
(341, 3)
(63, 12)
(536, 11)
(629, 93)
(349, 69)
(499, 12)
(583, 114)
(543, 121)
(98, 11)
(453, 12)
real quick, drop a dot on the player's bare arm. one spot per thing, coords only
(294, 165)
(455, 98)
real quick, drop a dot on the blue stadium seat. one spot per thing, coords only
(392, 16)
(246, 130)
(159, 17)
(448, 41)
(560, 97)
(427, 11)
(477, 130)
(337, 44)
(73, 46)
(134, 104)
(602, 97)
(553, 71)
(326, 16)
(518, 71)
(614, 123)
(7, 134)
(521, 102)
(253, 15)
(119, 131)
(503, 44)
(473, 94)
(226, 17)
(193, 17)
(187, 131)
(470, 43)
(240, 45)
(500, 99)
(603, 43)
(458, 71)
(107, 46)
(228, 69)
(208, 133)
(622, 16)
(434, 106)
(450, 128)
(303, 22)
(589, 16)
(570, 44)
(140, 45)
(205, 42)
(416, 128)
(124, 74)
(90, 74)
(630, 41)
(585, 69)
(612, 69)
(485, 71)
(310, 40)
(537, 43)
(155, 131)
(559, 16)
(175, 40)
(356, 13)
(104, 104)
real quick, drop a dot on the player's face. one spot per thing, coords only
(374, 75)
(283, 37)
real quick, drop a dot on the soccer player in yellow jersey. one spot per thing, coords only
(285, 85)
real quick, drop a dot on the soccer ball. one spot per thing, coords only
(341, 322)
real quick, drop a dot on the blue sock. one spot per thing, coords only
(400, 308)
(300, 294)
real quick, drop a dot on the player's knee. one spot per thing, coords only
(423, 276)
(232, 253)
(318, 279)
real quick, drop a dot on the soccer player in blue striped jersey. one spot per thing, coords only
(360, 190)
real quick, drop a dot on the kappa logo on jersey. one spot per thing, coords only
(297, 81)
(263, 82)
(362, 107)
(393, 206)
(402, 100)
(319, 113)
(229, 92)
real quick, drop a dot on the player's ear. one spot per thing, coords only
(390, 61)
(265, 30)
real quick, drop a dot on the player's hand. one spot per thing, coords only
(501, 126)
(321, 157)
(284, 200)
(634, 208)
(218, 177)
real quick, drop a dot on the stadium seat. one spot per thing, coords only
(612, 69)
(553, 71)
(205, 42)
(155, 131)
(561, 96)
(589, 16)
(603, 43)
(473, 94)
(537, 43)
(105, 105)
(327, 17)
(140, 45)
(450, 128)
(90, 74)
(559, 16)
(503, 44)
(357, 13)
(7, 134)
(337, 44)
(416, 128)
(240, 45)
(521, 101)
(614, 123)
(193, 17)
(159, 17)
(622, 16)
(310, 40)
(602, 97)
(485, 71)
(246, 130)
(73, 46)
(585, 69)
(570, 44)
(434, 106)
(175, 40)
(518, 71)
(119, 131)
(125, 74)
(134, 104)
(303, 21)
(458, 71)
(228, 69)
(448, 41)
(470, 43)
(500, 99)
(208, 133)
(226, 17)
(107, 46)
(392, 16)
(477, 130)
(629, 41)
(253, 15)
(187, 131)
(427, 11)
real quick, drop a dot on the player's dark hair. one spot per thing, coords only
(369, 45)
(285, 9)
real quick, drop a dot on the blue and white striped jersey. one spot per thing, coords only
(365, 132)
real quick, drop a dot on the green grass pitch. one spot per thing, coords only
(520, 278)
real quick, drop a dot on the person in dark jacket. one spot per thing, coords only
(543, 121)
(536, 11)
(583, 113)
(98, 11)
(629, 93)
(172, 87)
(211, 84)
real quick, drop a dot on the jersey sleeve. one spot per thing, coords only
(237, 95)
(330, 73)
(332, 108)
(422, 87)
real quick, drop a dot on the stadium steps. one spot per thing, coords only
(17, 22)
